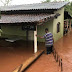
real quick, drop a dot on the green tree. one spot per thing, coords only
(5, 2)
(54, 0)
(66, 0)
(46, 1)
(61, 0)
(69, 8)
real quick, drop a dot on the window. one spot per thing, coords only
(58, 27)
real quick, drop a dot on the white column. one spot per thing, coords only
(35, 40)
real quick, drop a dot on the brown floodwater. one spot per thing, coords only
(46, 63)
(64, 49)
(13, 54)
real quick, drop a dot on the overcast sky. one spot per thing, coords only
(18, 2)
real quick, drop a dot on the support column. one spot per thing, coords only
(67, 24)
(70, 25)
(35, 40)
(27, 35)
(27, 38)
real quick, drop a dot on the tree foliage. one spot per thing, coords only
(69, 8)
(46, 1)
(66, 0)
(5, 2)
(54, 0)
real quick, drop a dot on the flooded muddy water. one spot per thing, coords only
(64, 49)
(13, 54)
(46, 63)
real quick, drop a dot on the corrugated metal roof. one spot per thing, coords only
(24, 18)
(49, 5)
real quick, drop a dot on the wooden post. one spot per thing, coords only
(61, 66)
(57, 58)
(70, 25)
(67, 24)
(0, 31)
(35, 40)
(27, 38)
(27, 35)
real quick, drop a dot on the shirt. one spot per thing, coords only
(48, 39)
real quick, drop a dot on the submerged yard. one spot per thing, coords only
(13, 54)
(64, 49)
(46, 63)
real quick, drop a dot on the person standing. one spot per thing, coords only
(48, 40)
(65, 28)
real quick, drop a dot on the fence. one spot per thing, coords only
(58, 59)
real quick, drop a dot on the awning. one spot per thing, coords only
(17, 18)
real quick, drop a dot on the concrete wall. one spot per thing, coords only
(55, 21)
(41, 29)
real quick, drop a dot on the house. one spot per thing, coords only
(25, 21)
